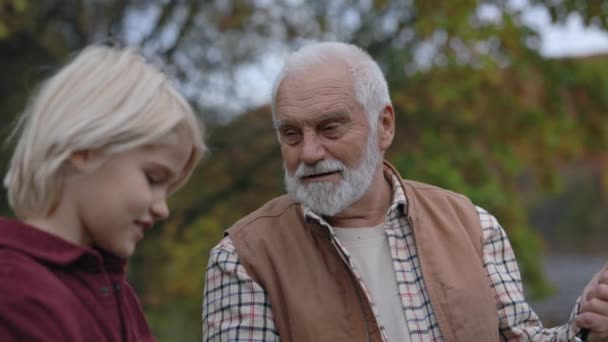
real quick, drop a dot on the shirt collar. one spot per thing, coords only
(50, 249)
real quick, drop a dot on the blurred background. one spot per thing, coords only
(505, 101)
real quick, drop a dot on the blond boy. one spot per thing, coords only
(101, 147)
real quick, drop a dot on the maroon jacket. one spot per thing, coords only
(53, 290)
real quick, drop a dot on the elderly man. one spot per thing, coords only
(356, 253)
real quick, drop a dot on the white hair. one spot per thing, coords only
(369, 84)
(106, 99)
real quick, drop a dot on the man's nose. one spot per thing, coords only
(312, 149)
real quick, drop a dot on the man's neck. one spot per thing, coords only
(370, 209)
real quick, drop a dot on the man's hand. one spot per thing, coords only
(593, 312)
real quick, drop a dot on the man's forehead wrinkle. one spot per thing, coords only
(312, 99)
(327, 105)
(316, 76)
(326, 92)
(335, 112)
(329, 100)
(312, 93)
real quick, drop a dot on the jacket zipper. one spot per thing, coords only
(411, 223)
(357, 289)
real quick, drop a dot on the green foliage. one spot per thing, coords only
(11, 16)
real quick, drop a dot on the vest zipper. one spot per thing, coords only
(357, 289)
(361, 307)
(411, 223)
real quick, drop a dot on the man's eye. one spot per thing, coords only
(332, 130)
(290, 136)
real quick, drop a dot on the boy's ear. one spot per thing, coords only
(81, 161)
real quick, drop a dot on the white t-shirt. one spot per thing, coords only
(370, 253)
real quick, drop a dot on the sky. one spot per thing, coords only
(570, 39)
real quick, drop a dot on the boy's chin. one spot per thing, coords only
(125, 252)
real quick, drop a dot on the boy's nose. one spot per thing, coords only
(160, 210)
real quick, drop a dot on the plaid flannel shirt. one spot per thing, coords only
(236, 308)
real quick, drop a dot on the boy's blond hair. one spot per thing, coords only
(106, 99)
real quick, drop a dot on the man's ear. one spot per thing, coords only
(386, 127)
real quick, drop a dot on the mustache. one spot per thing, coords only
(323, 166)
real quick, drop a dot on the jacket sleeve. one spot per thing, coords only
(235, 307)
(517, 320)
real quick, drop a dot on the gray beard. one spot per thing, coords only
(329, 198)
